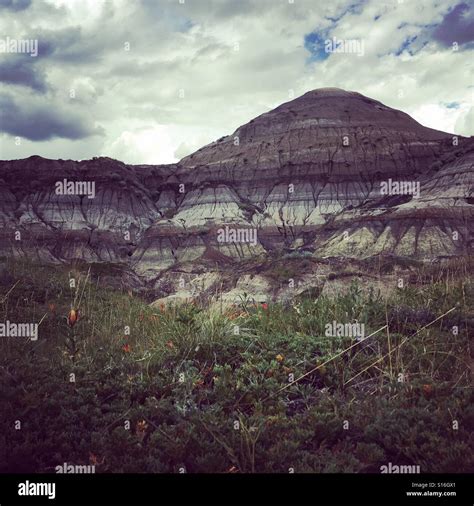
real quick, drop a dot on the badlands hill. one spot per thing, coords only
(327, 180)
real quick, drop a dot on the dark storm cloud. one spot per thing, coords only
(21, 70)
(457, 26)
(15, 5)
(64, 46)
(39, 122)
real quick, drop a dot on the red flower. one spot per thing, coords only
(264, 306)
(126, 348)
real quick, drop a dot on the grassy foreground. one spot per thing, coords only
(131, 388)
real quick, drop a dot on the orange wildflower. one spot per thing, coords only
(72, 317)
(141, 428)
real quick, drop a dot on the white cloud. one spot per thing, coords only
(142, 146)
(465, 121)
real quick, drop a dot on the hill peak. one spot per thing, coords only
(299, 131)
(330, 92)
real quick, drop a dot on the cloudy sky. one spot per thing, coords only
(150, 81)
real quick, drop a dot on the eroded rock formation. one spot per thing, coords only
(306, 177)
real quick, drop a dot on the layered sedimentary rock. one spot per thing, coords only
(305, 178)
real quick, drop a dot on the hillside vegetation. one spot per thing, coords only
(251, 388)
